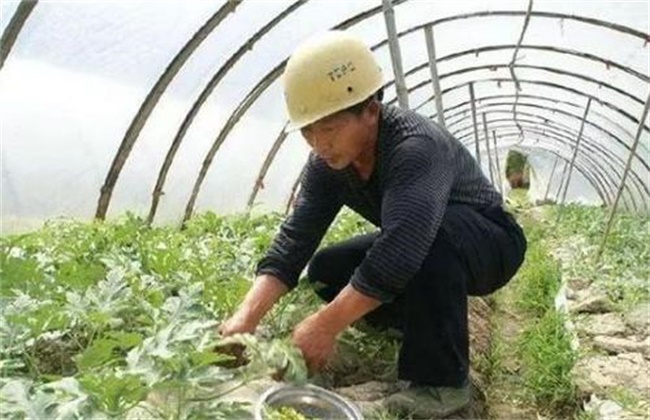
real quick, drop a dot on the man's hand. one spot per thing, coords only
(237, 324)
(266, 291)
(316, 341)
(259, 300)
(316, 335)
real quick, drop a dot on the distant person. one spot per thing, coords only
(443, 232)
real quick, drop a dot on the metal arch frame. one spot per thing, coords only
(504, 80)
(607, 104)
(606, 62)
(546, 48)
(13, 28)
(546, 120)
(544, 124)
(483, 106)
(510, 13)
(150, 102)
(247, 102)
(560, 157)
(220, 138)
(595, 179)
(625, 145)
(462, 114)
(494, 67)
(556, 86)
(598, 153)
(607, 182)
(542, 99)
(585, 173)
(594, 125)
(561, 142)
(594, 148)
(151, 97)
(555, 133)
(203, 96)
(274, 149)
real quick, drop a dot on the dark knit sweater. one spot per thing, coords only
(419, 169)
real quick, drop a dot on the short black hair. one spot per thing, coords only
(357, 109)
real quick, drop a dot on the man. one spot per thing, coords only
(443, 232)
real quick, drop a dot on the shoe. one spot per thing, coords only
(428, 402)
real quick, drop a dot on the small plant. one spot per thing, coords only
(539, 281)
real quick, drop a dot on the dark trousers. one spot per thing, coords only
(475, 252)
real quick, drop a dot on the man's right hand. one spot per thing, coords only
(266, 291)
(237, 324)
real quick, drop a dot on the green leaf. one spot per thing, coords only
(114, 393)
(103, 349)
(208, 357)
(100, 352)
(17, 401)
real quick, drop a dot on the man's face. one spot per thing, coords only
(340, 138)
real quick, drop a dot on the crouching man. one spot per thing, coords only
(443, 233)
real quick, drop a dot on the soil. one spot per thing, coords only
(55, 356)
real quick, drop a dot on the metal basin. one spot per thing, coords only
(311, 401)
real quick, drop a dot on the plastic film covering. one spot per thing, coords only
(168, 108)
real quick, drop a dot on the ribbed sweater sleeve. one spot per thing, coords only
(417, 188)
(300, 234)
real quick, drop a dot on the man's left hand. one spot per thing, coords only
(316, 339)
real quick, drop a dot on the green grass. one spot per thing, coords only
(545, 348)
(539, 281)
(624, 267)
(532, 362)
(630, 401)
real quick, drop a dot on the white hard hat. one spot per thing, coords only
(326, 74)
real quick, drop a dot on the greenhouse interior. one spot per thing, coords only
(152, 175)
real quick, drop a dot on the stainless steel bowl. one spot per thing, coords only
(309, 400)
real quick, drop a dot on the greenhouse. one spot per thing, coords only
(154, 166)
